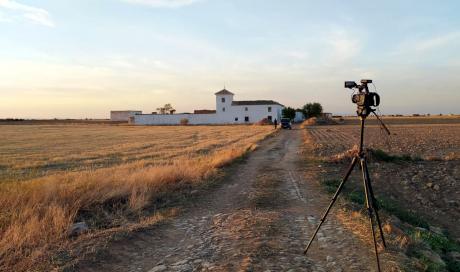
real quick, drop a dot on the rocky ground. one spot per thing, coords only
(259, 219)
(428, 183)
(415, 174)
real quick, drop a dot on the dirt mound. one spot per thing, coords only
(318, 121)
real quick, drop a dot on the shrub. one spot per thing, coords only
(381, 155)
(184, 121)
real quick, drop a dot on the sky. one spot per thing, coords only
(83, 58)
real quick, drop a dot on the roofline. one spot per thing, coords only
(125, 110)
(269, 102)
(224, 92)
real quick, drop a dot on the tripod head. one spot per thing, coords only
(365, 100)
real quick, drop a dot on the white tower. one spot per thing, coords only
(224, 101)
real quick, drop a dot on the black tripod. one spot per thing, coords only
(371, 203)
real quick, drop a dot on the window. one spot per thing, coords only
(236, 119)
(246, 109)
(246, 118)
(269, 109)
(223, 99)
(223, 109)
(269, 118)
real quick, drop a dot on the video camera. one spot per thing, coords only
(364, 99)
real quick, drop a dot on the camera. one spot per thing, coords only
(364, 99)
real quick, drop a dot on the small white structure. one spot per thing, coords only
(299, 117)
(326, 115)
(228, 111)
(123, 115)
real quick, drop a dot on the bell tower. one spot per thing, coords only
(224, 99)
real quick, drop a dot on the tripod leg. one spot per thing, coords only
(369, 209)
(336, 195)
(376, 209)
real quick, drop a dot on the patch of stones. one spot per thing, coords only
(243, 239)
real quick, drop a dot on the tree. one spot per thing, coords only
(312, 109)
(166, 109)
(289, 113)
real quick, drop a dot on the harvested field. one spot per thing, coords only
(403, 120)
(426, 141)
(416, 175)
(54, 175)
(31, 151)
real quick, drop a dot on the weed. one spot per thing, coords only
(381, 155)
(331, 185)
(403, 214)
(356, 196)
(451, 264)
(439, 243)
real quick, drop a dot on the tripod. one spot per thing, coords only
(371, 202)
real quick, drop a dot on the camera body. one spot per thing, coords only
(364, 99)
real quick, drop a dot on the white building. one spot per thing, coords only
(299, 117)
(123, 115)
(228, 111)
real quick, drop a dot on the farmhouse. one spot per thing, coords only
(228, 111)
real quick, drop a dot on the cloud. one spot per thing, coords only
(416, 47)
(344, 46)
(163, 3)
(36, 15)
(438, 41)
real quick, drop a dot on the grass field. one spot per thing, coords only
(52, 174)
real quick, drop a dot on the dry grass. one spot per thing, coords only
(51, 174)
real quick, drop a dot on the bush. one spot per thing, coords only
(184, 121)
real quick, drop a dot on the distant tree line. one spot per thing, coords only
(12, 119)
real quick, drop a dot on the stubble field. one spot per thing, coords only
(422, 170)
(425, 141)
(415, 173)
(32, 151)
(54, 175)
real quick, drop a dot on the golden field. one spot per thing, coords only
(52, 174)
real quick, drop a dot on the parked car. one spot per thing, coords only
(286, 123)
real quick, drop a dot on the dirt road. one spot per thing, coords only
(258, 219)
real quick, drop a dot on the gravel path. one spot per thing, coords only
(259, 219)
